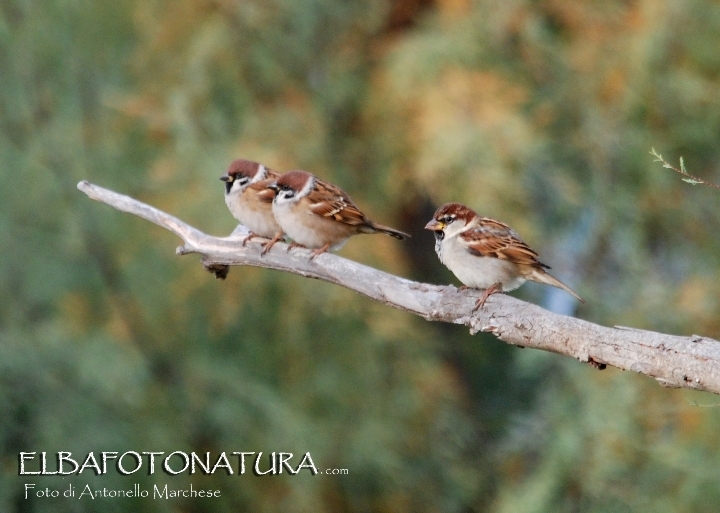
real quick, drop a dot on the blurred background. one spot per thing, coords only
(538, 113)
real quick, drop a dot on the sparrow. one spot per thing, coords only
(486, 254)
(249, 199)
(318, 215)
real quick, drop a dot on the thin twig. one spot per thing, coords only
(695, 403)
(692, 180)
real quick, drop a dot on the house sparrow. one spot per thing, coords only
(486, 254)
(249, 199)
(318, 215)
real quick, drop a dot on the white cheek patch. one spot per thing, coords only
(454, 228)
(282, 199)
(307, 188)
(236, 187)
(260, 175)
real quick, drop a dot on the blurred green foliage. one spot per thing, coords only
(540, 114)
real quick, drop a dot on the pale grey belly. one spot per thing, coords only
(261, 223)
(297, 227)
(253, 216)
(480, 272)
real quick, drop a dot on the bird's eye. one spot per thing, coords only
(446, 219)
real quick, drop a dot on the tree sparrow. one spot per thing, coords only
(486, 254)
(249, 199)
(318, 215)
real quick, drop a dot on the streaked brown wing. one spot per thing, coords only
(327, 200)
(497, 240)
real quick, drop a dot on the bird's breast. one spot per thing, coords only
(478, 271)
(309, 229)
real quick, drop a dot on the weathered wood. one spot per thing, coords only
(687, 362)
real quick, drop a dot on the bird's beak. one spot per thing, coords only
(435, 226)
(273, 186)
(226, 178)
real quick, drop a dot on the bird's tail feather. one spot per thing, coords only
(541, 276)
(392, 232)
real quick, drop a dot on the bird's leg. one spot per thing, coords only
(294, 245)
(492, 289)
(320, 251)
(269, 244)
(250, 235)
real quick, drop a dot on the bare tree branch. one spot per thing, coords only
(687, 362)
